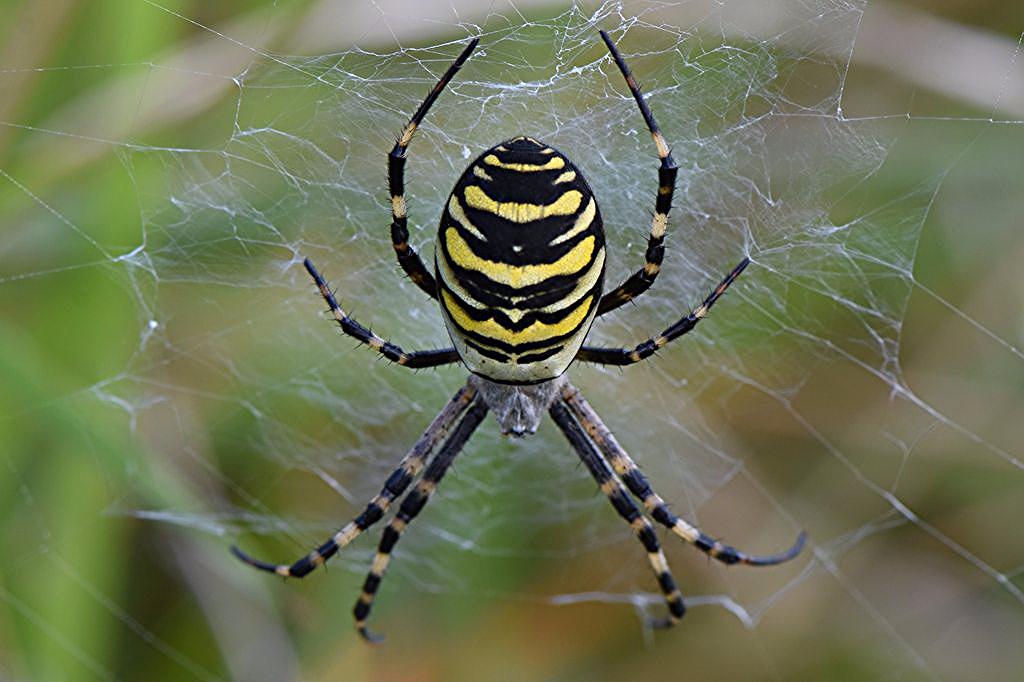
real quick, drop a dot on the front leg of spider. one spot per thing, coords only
(408, 259)
(642, 279)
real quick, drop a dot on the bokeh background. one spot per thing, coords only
(167, 388)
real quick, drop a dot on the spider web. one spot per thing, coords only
(807, 400)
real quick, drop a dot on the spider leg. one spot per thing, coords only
(397, 482)
(415, 359)
(620, 499)
(410, 508)
(629, 356)
(407, 256)
(642, 279)
(627, 469)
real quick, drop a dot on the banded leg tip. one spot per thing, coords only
(782, 558)
(368, 635)
(662, 623)
(311, 269)
(256, 563)
(798, 546)
(795, 550)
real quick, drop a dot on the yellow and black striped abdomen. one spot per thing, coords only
(520, 262)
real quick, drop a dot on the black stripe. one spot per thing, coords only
(490, 293)
(520, 360)
(489, 352)
(508, 176)
(518, 348)
(534, 238)
(537, 357)
(485, 290)
(538, 186)
(503, 319)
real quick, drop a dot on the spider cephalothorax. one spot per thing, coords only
(519, 274)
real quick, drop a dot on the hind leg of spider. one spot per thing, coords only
(637, 483)
(629, 356)
(643, 278)
(409, 509)
(407, 256)
(415, 360)
(396, 484)
(620, 499)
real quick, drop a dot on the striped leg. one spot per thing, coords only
(415, 359)
(629, 356)
(642, 279)
(620, 499)
(397, 482)
(407, 256)
(411, 506)
(624, 466)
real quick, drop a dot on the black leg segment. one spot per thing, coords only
(397, 482)
(620, 499)
(410, 508)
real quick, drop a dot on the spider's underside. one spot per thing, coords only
(518, 409)
(519, 274)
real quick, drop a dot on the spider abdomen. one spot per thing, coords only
(520, 262)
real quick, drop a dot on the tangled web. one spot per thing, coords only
(790, 408)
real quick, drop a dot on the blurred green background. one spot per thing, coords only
(167, 389)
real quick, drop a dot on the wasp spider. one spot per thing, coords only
(519, 273)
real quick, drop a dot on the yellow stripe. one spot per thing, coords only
(567, 176)
(582, 223)
(584, 284)
(518, 276)
(538, 331)
(448, 278)
(455, 209)
(555, 163)
(523, 213)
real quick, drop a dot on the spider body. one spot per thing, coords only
(519, 274)
(520, 262)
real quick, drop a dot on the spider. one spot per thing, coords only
(519, 272)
